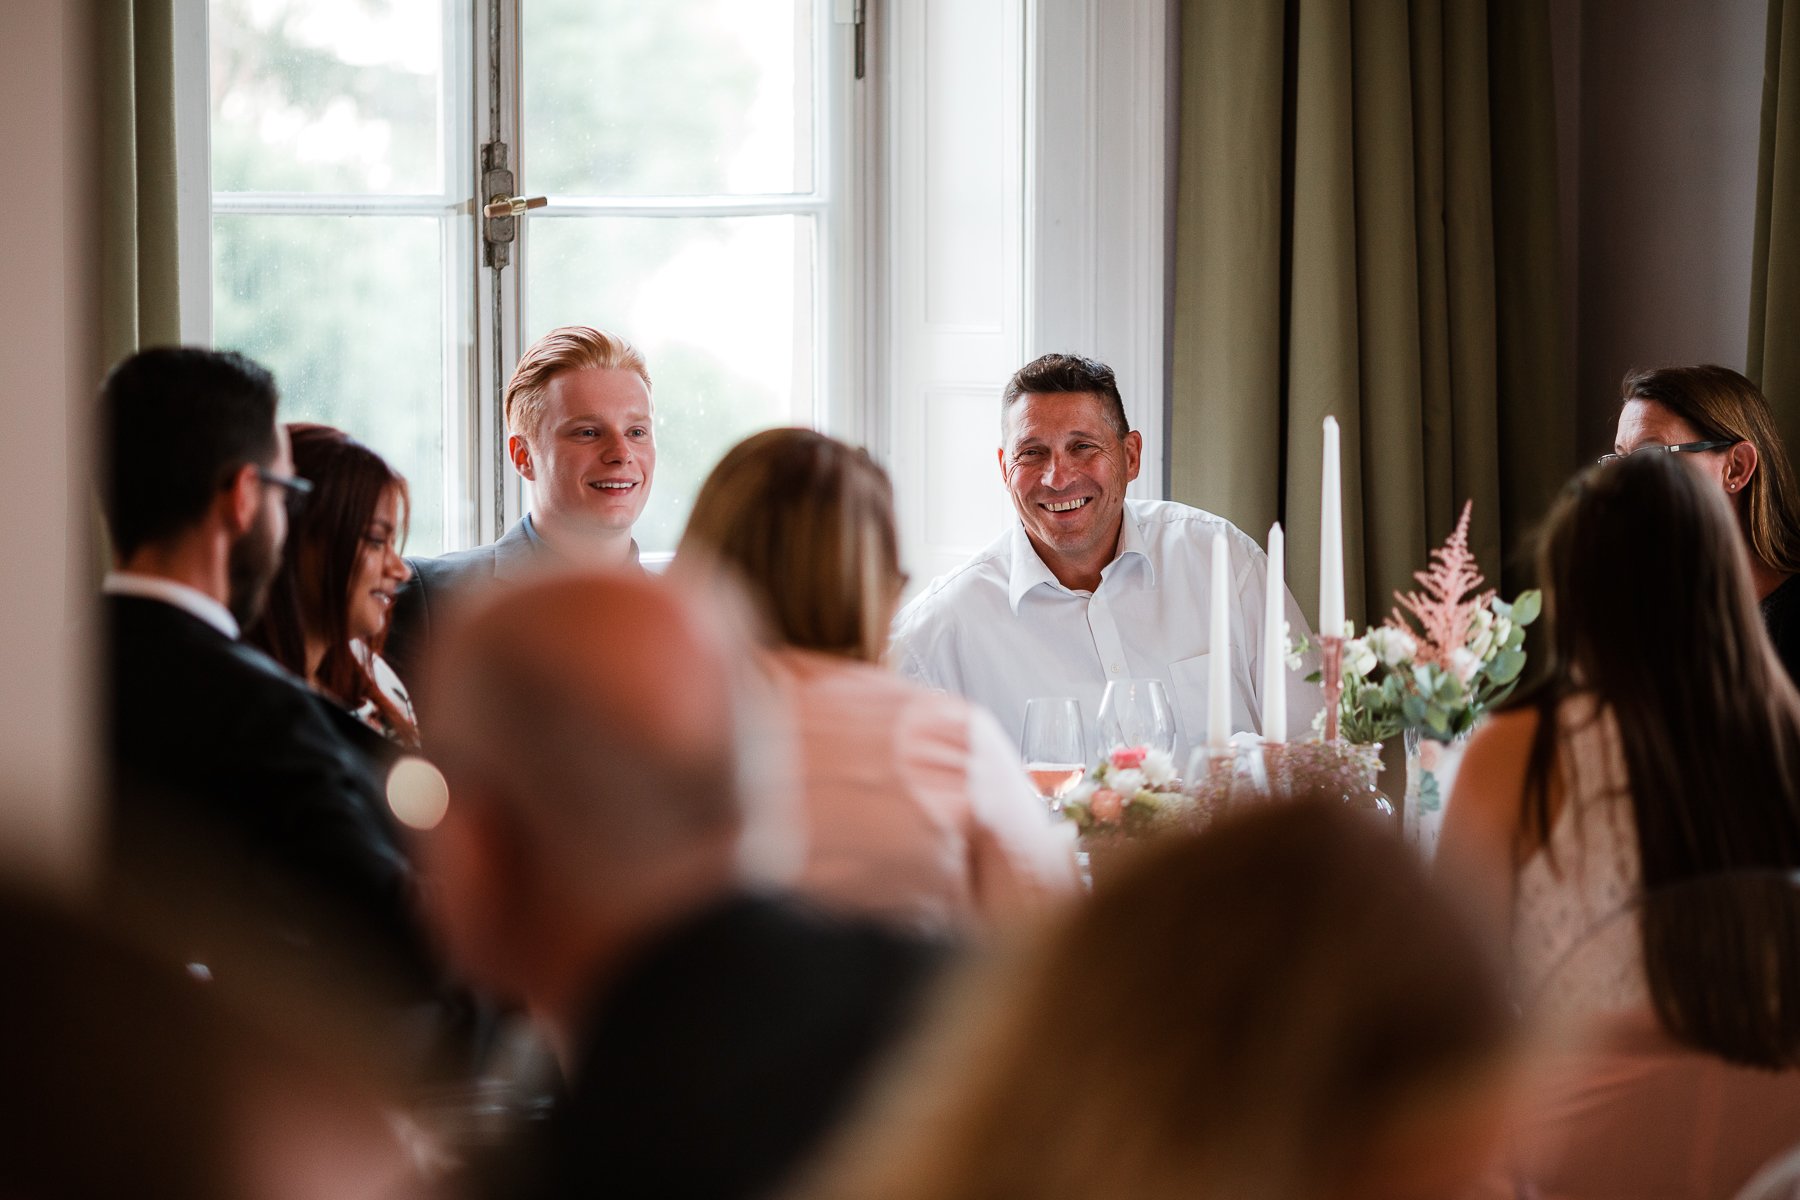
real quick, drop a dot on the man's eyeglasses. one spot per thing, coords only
(296, 489)
(1677, 448)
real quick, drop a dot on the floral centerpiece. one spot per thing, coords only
(1130, 792)
(1446, 654)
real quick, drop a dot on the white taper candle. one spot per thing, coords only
(1218, 650)
(1331, 539)
(1274, 650)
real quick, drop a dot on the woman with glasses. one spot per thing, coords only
(327, 611)
(917, 808)
(1633, 829)
(1720, 424)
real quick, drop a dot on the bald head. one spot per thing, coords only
(598, 710)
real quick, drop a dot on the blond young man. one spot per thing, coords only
(579, 430)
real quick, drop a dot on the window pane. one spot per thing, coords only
(667, 97)
(348, 313)
(722, 309)
(326, 95)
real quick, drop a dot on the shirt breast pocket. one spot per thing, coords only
(1191, 697)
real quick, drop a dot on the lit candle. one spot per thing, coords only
(1274, 654)
(1331, 540)
(1218, 652)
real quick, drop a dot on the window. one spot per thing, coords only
(787, 243)
(691, 152)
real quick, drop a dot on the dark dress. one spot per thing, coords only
(723, 1055)
(1781, 614)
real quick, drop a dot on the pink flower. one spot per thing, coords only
(1127, 758)
(1107, 806)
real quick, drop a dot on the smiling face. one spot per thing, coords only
(1066, 466)
(379, 569)
(593, 454)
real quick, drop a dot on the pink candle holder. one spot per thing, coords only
(1331, 653)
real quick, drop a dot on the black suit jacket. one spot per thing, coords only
(441, 582)
(724, 1054)
(230, 782)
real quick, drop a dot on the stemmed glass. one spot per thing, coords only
(1136, 712)
(1054, 745)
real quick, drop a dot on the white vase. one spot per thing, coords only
(1430, 773)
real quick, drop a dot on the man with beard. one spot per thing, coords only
(243, 827)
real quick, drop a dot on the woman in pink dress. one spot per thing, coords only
(917, 808)
(1633, 829)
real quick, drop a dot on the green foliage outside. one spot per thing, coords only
(352, 312)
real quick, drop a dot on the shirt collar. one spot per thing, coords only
(189, 600)
(1027, 570)
(537, 539)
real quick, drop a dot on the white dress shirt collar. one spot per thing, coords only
(189, 600)
(1026, 569)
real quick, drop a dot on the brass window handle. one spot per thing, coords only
(512, 206)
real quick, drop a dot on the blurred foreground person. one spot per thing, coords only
(124, 1077)
(590, 868)
(236, 801)
(1282, 1008)
(1635, 827)
(917, 808)
(1721, 426)
(327, 614)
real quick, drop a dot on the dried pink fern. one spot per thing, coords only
(1447, 606)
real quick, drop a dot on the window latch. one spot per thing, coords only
(501, 209)
(853, 12)
(512, 206)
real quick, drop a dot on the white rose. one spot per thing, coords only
(1464, 663)
(1127, 783)
(1392, 646)
(1502, 630)
(1081, 793)
(1158, 768)
(1359, 660)
(1482, 647)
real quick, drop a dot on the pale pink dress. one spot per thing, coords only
(1621, 1110)
(917, 807)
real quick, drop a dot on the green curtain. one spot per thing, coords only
(1366, 227)
(140, 294)
(1774, 358)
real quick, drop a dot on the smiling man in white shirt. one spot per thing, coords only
(1088, 586)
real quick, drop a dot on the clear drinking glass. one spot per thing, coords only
(1054, 745)
(1136, 712)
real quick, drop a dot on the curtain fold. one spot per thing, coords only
(1366, 227)
(1774, 355)
(139, 253)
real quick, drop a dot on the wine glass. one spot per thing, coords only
(1054, 745)
(1136, 712)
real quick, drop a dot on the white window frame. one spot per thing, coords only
(1091, 159)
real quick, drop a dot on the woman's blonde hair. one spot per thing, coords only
(1723, 405)
(568, 348)
(1262, 1012)
(807, 523)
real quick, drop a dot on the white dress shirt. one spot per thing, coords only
(1000, 629)
(189, 600)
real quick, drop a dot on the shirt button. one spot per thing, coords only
(1115, 668)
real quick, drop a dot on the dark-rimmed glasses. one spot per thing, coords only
(1677, 448)
(295, 488)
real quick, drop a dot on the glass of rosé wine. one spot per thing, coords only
(1054, 745)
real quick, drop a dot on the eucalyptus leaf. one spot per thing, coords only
(1527, 607)
(1506, 666)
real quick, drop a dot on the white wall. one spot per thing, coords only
(1665, 122)
(48, 356)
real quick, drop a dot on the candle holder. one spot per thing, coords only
(1331, 654)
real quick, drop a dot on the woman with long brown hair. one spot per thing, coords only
(1284, 1008)
(918, 809)
(1634, 827)
(1720, 424)
(328, 608)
